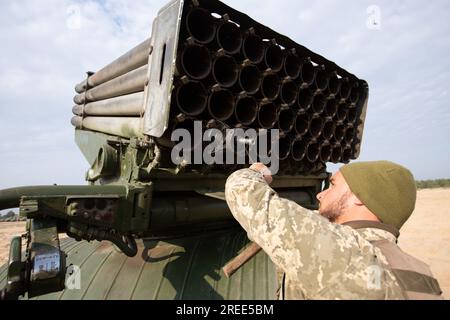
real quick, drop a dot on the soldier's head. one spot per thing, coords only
(376, 191)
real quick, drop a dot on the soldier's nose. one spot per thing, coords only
(319, 196)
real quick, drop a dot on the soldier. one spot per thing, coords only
(349, 251)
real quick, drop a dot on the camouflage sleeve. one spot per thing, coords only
(306, 246)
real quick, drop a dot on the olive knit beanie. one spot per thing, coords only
(387, 189)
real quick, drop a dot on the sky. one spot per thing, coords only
(48, 45)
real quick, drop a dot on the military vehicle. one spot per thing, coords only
(205, 65)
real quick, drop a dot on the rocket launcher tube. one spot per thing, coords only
(135, 58)
(131, 82)
(129, 105)
(125, 127)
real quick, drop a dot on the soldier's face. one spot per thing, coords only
(335, 199)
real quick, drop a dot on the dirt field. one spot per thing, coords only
(426, 235)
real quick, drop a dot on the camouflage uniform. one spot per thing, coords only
(321, 260)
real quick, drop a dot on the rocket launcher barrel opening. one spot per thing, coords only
(250, 79)
(200, 25)
(246, 110)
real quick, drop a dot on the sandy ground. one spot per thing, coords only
(426, 235)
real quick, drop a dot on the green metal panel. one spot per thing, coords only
(182, 269)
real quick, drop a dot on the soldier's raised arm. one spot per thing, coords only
(305, 245)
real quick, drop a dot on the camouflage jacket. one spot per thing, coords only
(321, 260)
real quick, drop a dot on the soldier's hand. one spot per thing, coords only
(264, 171)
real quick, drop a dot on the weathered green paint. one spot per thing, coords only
(187, 268)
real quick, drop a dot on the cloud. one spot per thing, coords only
(49, 44)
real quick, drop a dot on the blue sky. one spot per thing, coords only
(47, 45)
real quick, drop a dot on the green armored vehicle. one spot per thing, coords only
(152, 222)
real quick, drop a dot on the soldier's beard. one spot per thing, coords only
(336, 209)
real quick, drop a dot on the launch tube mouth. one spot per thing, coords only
(346, 155)
(308, 73)
(246, 110)
(318, 104)
(321, 81)
(316, 127)
(292, 65)
(285, 148)
(339, 133)
(267, 115)
(229, 37)
(349, 135)
(313, 152)
(305, 99)
(192, 98)
(196, 61)
(354, 94)
(331, 108)
(253, 48)
(250, 79)
(328, 130)
(200, 25)
(225, 71)
(351, 116)
(221, 104)
(286, 120)
(301, 125)
(270, 87)
(298, 149)
(333, 85)
(345, 90)
(289, 92)
(325, 153)
(273, 57)
(341, 112)
(336, 154)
